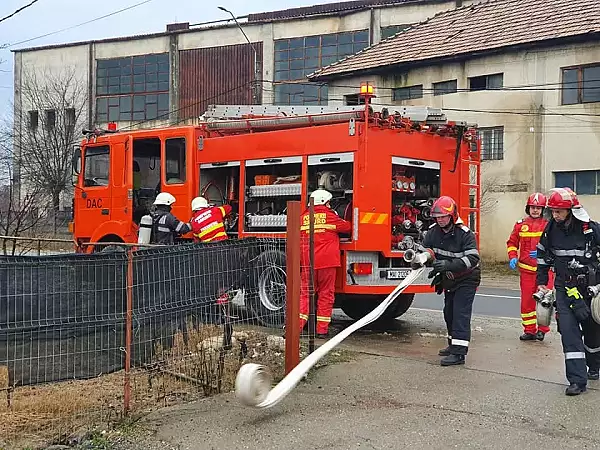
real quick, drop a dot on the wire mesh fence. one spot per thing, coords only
(87, 338)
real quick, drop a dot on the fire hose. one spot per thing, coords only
(253, 381)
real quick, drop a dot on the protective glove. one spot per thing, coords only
(437, 282)
(513, 263)
(533, 254)
(440, 265)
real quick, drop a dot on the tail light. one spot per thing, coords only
(362, 268)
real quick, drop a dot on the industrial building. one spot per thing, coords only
(527, 72)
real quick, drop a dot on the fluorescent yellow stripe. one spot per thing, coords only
(529, 322)
(323, 319)
(531, 234)
(528, 267)
(323, 226)
(527, 315)
(218, 235)
(210, 229)
(222, 210)
(366, 218)
(304, 316)
(511, 249)
(381, 219)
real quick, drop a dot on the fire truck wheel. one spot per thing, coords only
(268, 288)
(358, 306)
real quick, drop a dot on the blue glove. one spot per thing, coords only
(533, 254)
(513, 263)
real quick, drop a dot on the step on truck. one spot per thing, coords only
(385, 166)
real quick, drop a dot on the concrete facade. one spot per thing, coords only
(540, 137)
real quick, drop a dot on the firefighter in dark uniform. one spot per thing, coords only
(165, 226)
(570, 243)
(456, 273)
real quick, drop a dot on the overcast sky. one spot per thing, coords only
(48, 16)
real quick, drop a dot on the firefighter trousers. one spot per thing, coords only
(458, 307)
(580, 341)
(528, 303)
(325, 291)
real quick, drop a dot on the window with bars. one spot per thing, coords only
(584, 182)
(300, 94)
(581, 84)
(492, 143)
(298, 57)
(391, 30)
(132, 88)
(445, 87)
(407, 93)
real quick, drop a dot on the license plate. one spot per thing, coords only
(397, 274)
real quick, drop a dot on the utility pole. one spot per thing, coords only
(255, 84)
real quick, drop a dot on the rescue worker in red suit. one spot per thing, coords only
(327, 227)
(207, 221)
(522, 253)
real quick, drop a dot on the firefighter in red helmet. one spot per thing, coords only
(456, 273)
(522, 253)
(570, 244)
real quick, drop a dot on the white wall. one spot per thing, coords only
(535, 144)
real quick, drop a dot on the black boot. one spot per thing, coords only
(453, 360)
(593, 374)
(575, 389)
(527, 337)
(444, 351)
(540, 336)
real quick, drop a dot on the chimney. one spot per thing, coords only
(178, 26)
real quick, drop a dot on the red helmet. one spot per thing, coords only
(536, 199)
(562, 198)
(445, 206)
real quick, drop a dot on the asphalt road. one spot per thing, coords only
(488, 302)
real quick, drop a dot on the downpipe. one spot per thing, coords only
(253, 381)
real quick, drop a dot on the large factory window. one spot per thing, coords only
(298, 57)
(132, 88)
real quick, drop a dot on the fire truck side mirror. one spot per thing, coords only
(76, 161)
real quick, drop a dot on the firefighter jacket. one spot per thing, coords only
(561, 243)
(459, 248)
(165, 226)
(524, 238)
(207, 223)
(327, 226)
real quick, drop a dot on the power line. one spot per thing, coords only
(82, 23)
(18, 11)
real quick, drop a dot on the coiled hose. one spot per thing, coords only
(253, 381)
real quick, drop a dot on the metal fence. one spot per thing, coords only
(89, 338)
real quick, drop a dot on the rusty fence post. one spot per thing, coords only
(312, 307)
(293, 283)
(128, 332)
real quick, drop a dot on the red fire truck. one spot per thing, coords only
(384, 165)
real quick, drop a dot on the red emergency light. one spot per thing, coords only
(112, 126)
(361, 268)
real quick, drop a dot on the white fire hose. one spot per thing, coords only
(253, 381)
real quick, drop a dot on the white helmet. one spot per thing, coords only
(199, 203)
(321, 197)
(164, 198)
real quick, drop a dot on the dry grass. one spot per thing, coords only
(189, 370)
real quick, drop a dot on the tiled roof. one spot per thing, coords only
(479, 28)
(329, 8)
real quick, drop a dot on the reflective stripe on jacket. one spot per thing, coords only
(327, 226)
(524, 238)
(207, 223)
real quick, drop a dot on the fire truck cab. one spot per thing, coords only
(385, 168)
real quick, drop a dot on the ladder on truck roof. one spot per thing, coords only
(423, 114)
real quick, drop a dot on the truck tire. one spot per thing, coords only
(267, 293)
(358, 306)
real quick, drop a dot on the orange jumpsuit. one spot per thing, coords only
(524, 238)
